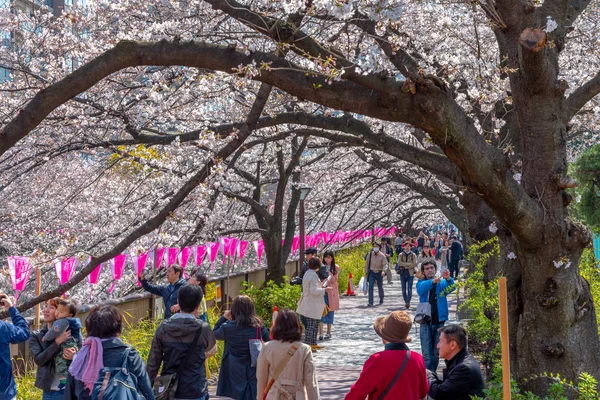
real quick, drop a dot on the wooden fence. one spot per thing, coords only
(143, 305)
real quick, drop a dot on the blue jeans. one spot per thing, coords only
(375, 277)
(430, 337)
(407, 284)
(53, 395)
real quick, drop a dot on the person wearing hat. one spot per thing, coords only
(309, 253)
(396, 372)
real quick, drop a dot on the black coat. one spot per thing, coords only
(171, 344)
(43, 355)
(112, 356)
(462, 379)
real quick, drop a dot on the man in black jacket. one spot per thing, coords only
(462, 377)
(173, 341)
(455, 255)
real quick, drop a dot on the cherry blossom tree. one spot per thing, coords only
(493, 92)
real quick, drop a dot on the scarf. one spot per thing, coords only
(89, 361)
(396, 346)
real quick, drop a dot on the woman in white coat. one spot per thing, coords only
(312, 302)
(285, 367)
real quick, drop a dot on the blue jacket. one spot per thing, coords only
(16, 332)
(425, 285)
(167, 292)
(237, 379)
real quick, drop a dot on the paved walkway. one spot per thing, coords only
(354, 340)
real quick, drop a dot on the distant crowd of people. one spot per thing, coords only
(257, 363)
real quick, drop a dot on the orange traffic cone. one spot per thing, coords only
(275, 314)
(350, 291)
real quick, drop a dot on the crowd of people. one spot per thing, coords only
(257, 363)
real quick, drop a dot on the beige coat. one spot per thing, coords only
(312, 302)
(297, 381)
(377, 262)
(410, 262)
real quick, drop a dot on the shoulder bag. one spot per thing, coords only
(279, 369)
(423, 313)
(165, 386)
(396, 377)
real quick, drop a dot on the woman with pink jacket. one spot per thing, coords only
(332, 298)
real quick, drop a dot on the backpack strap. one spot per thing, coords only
(107, 374)
(280, 367)
(391, 384)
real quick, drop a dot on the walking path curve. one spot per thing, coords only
(354, 340)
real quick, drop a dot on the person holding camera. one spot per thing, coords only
(16, 332)
(167, 292)
(433, 289)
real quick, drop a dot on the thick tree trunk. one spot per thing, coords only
(273, 250)
(480, 217)
(557, 330)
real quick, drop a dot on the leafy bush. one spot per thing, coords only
(481, 304)
(270, 295)
(558, 389)
(26, 389)
(351, 261)
(588, 268)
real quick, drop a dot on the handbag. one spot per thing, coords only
(423, 313)
(397, 376)
(256, 346)
(279, 369)
(165, 385)
(326, 310)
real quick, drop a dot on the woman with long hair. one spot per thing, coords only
(332, 298)
(237, 376)
(298, 379)
(201, 280)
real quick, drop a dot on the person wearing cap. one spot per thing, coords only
(375, 266)
(309, 253)
(463, 378)
(396, 372)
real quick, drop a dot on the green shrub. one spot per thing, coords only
(558, 388)
(351, 261)
(588, 268)
(266, 297)
(26, 389)
(481, 304)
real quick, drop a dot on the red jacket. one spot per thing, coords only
(380, 369)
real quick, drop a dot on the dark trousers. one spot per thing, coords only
(407, 284)
(453, 268)
(375, 277)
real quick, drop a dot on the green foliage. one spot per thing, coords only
(558, 388)
(26, 389)
(270, 295)
(140, 336)
(351, 261)
(586, 171)
(588, 268)
(481, 303)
